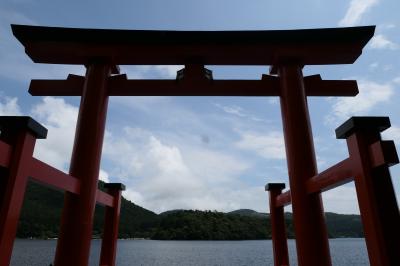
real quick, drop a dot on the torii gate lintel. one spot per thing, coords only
(120, 85)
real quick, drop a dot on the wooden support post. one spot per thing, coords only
(377, 200)
(308, 215)
(75, 237)
(277, 217)
(21, 133)
(110, 233)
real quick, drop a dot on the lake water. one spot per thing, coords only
(189, 253)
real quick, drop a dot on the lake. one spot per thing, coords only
(189, 253)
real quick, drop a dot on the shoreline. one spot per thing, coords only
(213, 240)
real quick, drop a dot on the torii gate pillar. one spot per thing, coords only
(73, 246)
(308, 216)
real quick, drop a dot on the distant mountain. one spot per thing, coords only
(344, 225)
(170, 212)
(211, 225)
(41, 213)
(249, 212)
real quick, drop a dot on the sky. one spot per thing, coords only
(206, 153)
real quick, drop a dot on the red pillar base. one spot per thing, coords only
(110, 234)
(21, 133)
(277, 217)
(75, 237)
(308, 215)
(376, 197)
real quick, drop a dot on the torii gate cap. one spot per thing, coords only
(18, 123)
(118, 186)
(362, 123)
(57, 45)
(274, 186)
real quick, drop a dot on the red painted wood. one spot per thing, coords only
(308, 216)
(76, 224)
(105, 199)
(110, 234)
(12, 200)
(331, 87)
(120, 86)
(377, 201)
(278, 227)
(283, 199)
(72, 86)
(47, 175)
(383, 153)
(337, 175)
(5, 154)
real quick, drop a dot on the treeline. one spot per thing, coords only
(207, 225)
(41, 214)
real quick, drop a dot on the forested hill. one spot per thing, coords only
(41, 213)
(40, 218)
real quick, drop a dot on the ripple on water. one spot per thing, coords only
(189, 253)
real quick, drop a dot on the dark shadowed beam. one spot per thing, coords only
(72, 86)
(142, 47)
(120, 86)
(122, 54)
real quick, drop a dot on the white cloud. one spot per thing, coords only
(238, 111)
(9, 106)
(392, 133)
(157, 71)
(373, 66)
(269, 145)
(59, 118)
(163, 176)
(13, 17)
(273, 100)
(234, 110)
(15, 64)
(387, 67)
(387, 26)
(321, 162)
(104, 176)
(379, 41)
(356, 11)
(214, 167)
(371, 94)
(134, 196)
(342, 199)
(396, 80)
(167, 71)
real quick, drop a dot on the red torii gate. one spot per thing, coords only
(101, 51)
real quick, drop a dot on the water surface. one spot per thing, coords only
(190, 253)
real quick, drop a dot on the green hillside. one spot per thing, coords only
(248, 212)
(207, 225)
(41, 213)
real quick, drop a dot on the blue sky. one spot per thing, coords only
(211, 152)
